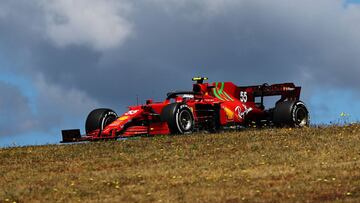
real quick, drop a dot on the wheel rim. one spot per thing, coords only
(301, 117)
(185, 120)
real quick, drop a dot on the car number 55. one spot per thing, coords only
(243, 96)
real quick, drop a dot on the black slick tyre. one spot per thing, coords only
(292, 114)
(179, 118)
(99, 119)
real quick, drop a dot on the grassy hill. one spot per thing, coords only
(314, 164)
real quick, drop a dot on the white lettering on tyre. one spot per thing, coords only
(177, 117)
(104, 118)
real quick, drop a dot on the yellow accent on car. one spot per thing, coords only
(122, 118)
(199, 78)
(229, 114)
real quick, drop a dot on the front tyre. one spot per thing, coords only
(99, 119)
(179, 118)
(291, 113)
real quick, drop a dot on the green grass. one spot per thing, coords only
(270, 165)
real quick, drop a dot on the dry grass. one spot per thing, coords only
(270, 165)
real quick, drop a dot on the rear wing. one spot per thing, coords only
(287, 91)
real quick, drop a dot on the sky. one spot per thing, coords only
(60, 59)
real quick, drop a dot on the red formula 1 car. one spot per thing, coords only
(209, 107)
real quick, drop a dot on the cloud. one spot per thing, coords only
(54, 106)
(61, 107)
(15, 111)
(99, 24)
(200, 7)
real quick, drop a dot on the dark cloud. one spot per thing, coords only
(158, 45)
(15, 111)
(54, 106)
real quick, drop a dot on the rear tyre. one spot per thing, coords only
(179, 118)
(99, 119)
(291, 113)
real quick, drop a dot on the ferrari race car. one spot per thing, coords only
(208, 107)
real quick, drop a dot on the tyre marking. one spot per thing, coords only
(177, 120)
(294, 112)
(177, 117)
(103, 120)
